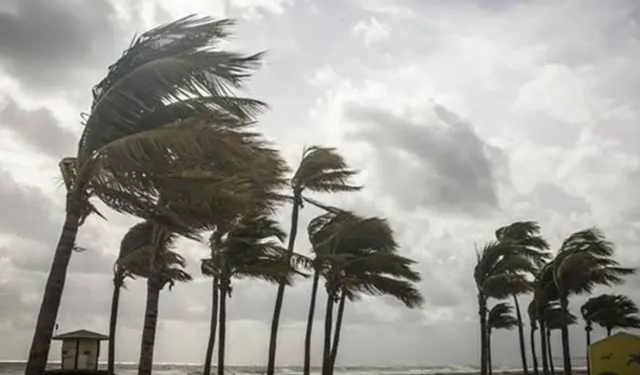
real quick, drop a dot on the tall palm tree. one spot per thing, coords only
(583, 261)
(533, 325)
(500, 272)
(323, 233)
(121, 272)
(152, 257)
(355, 256)
(378, 273)
(499, 317)
(250, 249)
(555, 319)
(164, 118)
(321, 169)
(525, 238)
(545, 294)
(589, 310)
(214, 244)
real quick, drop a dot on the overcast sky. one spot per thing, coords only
(463, 115)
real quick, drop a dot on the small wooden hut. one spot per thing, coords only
(80, 352)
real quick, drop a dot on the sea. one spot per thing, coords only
(17, 368)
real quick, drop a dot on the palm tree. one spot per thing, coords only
(323, 237)
(380, 274)
(499, 317)
(583, 262)
(163, 119)
(533, 318)
(321, 169)
(250, 249)
(610, 311)
(525, 238)
(120, 273)
(501, 271)
(355, 256)
(555, 319)
(152, 257)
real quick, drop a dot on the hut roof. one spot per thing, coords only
(81, 334)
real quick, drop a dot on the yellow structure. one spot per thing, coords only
(616, 355)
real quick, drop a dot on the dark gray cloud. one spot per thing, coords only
(48, 43)
(443, 165)
(39, 128)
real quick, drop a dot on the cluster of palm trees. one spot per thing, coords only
(519, 262)
(169, 140)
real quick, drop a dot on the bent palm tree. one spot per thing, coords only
(323, 234)
(120, 273)
(251, 249)
(163, 119)
(583, 262)
(356, 256)
(610, 311)
(151, 257)
(321, 169)
(525, 237)
(380, 274)
(499, 317)
(555, 319)
(533, 319)
(501, 271)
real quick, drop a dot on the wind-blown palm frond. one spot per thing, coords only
(611, 311)
(322, 169)
(165, 122)
(584, 261)
(380, 285)
(526, 240)
(250, 248)
(500, 317)
(555, 318)
(146, 251)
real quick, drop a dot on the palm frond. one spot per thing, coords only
(168, 64)
(322, 169)
(500, 317)
(379, 285)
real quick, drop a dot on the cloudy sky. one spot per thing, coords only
(463, 115)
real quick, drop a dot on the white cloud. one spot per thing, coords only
(373, 31)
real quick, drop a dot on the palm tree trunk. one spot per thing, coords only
(523, 352)
(48, 314)
(307, 338)
(551, 364)
(566, 351)
(222, 330)
(277, 309)
(608, 331)
(328, 321)
(482, 312)
(543, 347)
(534, 357)
(588, 329)
(336, 332)
(212, 328)
(150, 325)
(489, 362)
(113, 323)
